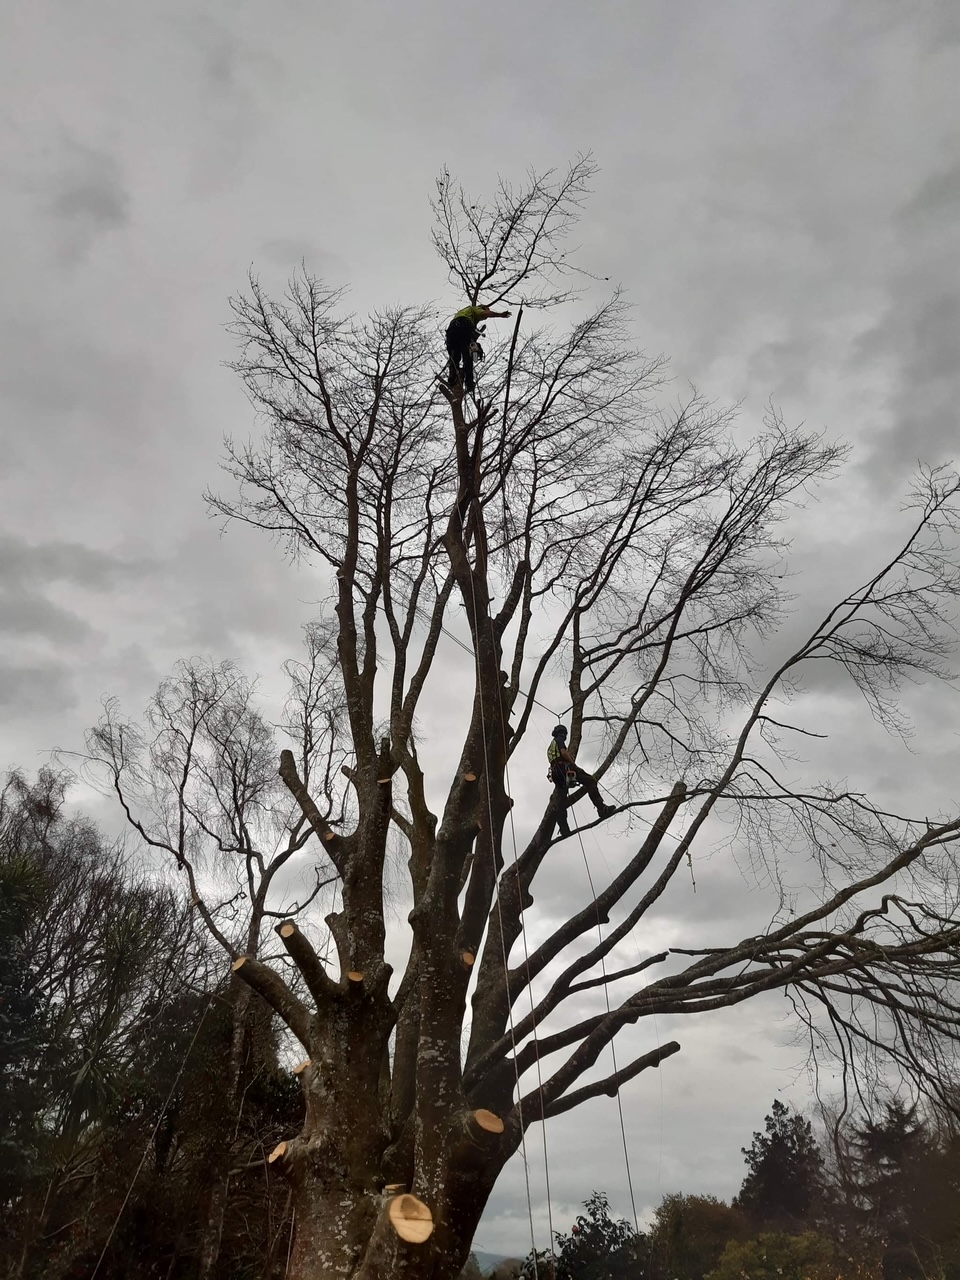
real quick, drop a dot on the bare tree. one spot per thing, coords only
(637, 556)
(198, 782)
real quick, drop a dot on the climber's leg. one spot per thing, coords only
(459, 336)
(589, 782)
(558, 773)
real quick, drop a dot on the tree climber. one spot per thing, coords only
(564, 773)
(462, 344)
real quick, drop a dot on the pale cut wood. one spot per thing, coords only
(469, 777)
(302, 1066)
(468, 958)
(383, 781)
(353, 976)
(288, 929)
(411, 1219)
(279, 1150)
(487, 1121)
(394, 1189)
(238, 963)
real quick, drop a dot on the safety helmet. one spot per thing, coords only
(560, 731)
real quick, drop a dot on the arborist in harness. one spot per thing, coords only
(564, 773)
(462, 341)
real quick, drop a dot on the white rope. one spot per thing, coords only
(613, 1047)
(503, 949)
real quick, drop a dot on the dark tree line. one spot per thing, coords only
(114, 1029)
(879, 1199)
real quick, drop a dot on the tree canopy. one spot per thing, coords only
(572, 533)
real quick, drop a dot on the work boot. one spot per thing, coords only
(606, 811)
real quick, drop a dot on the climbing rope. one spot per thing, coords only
(633, 935)
(536, 1042)
(613, 1047)
(504, 959)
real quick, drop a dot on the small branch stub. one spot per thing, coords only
(238, 963)
(411, 1219)
(302, 1066)
(469, 777)
(278, 1151)
(394, 1189)
(468, 958)
(355, 978)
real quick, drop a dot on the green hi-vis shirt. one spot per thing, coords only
(553, 751)
(473, 314)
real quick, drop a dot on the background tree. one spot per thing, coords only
(782, 1256)
(689, 1234)
(113, 1033)
(896, 1185)
(597, 1247)
(198, 783)
(583, 538)
(889, 1153)
(783, 1187)
(96, 950)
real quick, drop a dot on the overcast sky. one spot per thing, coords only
(779, 193)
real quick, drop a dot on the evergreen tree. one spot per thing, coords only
(890, 1151)
(783, 1186)
(21, 1030)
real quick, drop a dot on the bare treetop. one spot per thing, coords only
(517, 242)
(581, 536)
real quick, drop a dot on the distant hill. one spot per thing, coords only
(489, 1260)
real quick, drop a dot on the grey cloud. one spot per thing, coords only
(24, 613)
(32, 691)
(288, 252)
(915, 343)
(28, 571)
(752, 166)
(56, 369)
(86, 197)
(235, 80)
(27, 564)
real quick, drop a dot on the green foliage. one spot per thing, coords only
(778, 1256)
(22, 1034)
(890, 1151)
(783, 1187)
(112, 1052)
(597, 1247)
(690, 1233)
(901, 1189)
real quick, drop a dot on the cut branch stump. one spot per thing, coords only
(411, 1219)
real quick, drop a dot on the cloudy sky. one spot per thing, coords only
(779, 193)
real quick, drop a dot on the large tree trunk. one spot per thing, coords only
(350, 1224)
